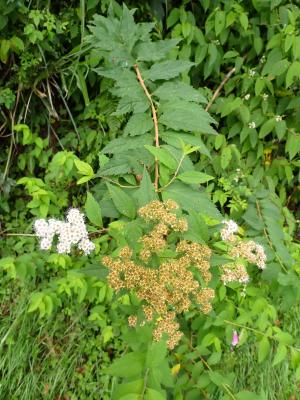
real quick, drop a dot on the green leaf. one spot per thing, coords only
(292, 146)
(220, 21)
(138, 124)
(123, 203)
(226, 156)
(267, 127)
(152, 394)
(293, 71)
(194, 177)
(263, 349)
(179, 90)
(280, 354)
(191, 199)
(163, 156)
(244, 21)
(155, 51)
(121, 144)
(93, 210)
(134, 387)
(167, 69)
(182, 115)
(198, 231)
(246, 395)
(84, 168)
(128, 366)
(146, 192)
(4, 49)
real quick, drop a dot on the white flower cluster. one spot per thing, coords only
(252, 125)
(227, 233)
(71, 232)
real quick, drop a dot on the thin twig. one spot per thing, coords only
(219, 88)
(175, 174)
(154, 117)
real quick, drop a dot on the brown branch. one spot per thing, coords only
(154, 117)
(219, 88)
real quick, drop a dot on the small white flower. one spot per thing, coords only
(247, 96)
(72, 232)
(265, 96)
(227, 233)
(252, 72)
(252, 125)
(278, 118)
(263, 59)
(41, 227)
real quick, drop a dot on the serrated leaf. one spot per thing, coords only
(280, 354)
(163, 156)
(146, 192)
(182, 115)
(167, 69)
(191, 199)
(121, 144)
(155, 51)
(134, 387)
(84, 168)
(129, 365)
(226, 156)
(93, 210)
(194, 177)
(179, 90)
(138, 124)
(122, 201)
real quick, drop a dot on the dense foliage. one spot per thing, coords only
(163, 122)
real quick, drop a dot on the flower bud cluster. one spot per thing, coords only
(227, 233)
(170, 287)
(71, 232)
(249, 250)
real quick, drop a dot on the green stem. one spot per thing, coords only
(175, 174)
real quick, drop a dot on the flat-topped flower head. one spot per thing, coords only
(70, 232)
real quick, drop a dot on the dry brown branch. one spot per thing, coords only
(219, 88)
(154, 117)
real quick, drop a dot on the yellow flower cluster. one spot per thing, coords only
(169, 288)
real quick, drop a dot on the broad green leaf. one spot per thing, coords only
(138, 124)
(179, 90)
(198, 231)
(244, 21)
(194, 177)
(191, 199)
(155, 51)
(4, 49)
(152, 394)
(280, 354)
(263, 349)
(163, 156)
(292, 146)
(246, 395)
(186, 116)
(128, 366)
(167, 70)
(267, 127)
(84, 168)
(217, 378)
(121, 144)
(122, 201)
(220, 21)
(93, 210)
(134, 387)
(146, 192)
(226, 156)
(293, 71)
